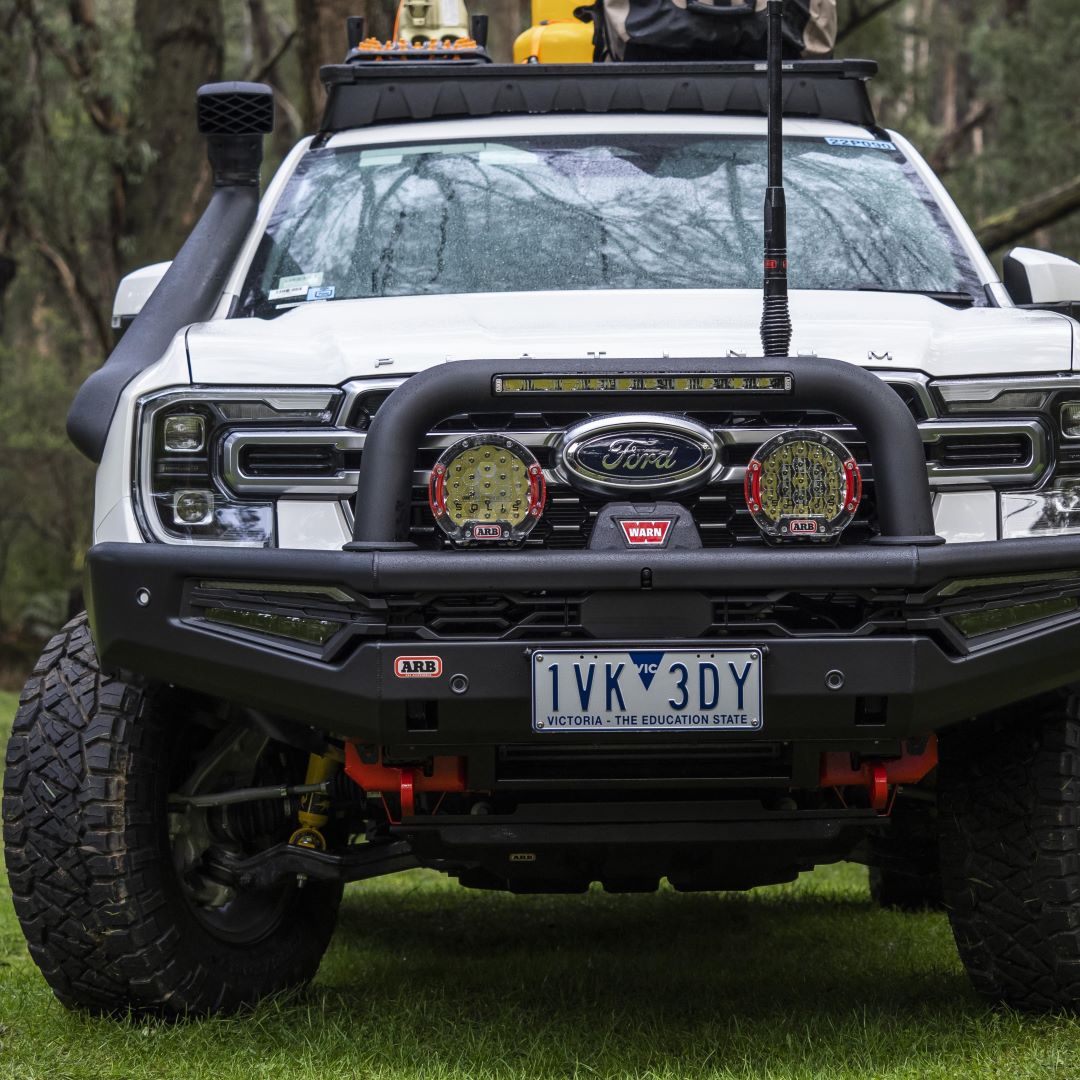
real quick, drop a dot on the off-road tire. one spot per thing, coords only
(89, 862)
(1009, 813)
(905, 872)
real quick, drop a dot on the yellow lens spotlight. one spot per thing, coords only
(803, 485)
(487, 489)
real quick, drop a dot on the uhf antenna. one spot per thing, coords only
(775, 316)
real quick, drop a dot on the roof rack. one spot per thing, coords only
(365, 94)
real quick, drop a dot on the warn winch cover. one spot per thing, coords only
(713, 29)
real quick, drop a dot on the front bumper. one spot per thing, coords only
(906, 668)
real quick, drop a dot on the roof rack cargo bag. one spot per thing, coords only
(713, 29)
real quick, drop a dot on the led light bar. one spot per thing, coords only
(703, 383)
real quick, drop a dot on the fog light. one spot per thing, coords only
(803, 485)
(990, 620)
(184, 434)
(1054, 511)
(193, 507)
(298, 628)
(487, 489)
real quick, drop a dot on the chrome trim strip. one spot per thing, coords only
(344, 482)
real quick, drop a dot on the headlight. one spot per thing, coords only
(181, 493)
(1054, 511)
(803, 485)
(1070, 419)
(487, 489)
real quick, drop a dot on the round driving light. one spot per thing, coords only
(803, 485)
(487, 489)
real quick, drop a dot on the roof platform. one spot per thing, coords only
(364, 95)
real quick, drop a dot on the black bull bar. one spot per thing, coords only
(145, 615)
(383, 495)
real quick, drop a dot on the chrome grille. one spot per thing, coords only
(960, 452)
(719, 512)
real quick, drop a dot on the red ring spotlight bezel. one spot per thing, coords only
(497, 533)
(798, 526)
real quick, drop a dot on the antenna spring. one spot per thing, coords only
(775, 326)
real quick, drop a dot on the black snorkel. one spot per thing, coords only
(775, 316)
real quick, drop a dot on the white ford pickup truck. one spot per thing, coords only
(449, 515)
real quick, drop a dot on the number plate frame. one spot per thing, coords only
(649, 681)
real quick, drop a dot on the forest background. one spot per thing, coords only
(101, 171)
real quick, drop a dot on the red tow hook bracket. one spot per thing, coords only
(408, 792)
(445, 774)
(878, 784)
(878, 777)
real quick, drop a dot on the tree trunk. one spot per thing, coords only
(181, 46)
(321, 40)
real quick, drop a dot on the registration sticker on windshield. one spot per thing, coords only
(295, 285)
(861, 144)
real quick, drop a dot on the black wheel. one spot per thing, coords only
(904, 865)
(108, 875)
(1009, 813)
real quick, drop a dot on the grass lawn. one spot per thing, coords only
(428, 980)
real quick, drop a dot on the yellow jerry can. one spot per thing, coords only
(555, 36)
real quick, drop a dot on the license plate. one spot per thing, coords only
(647, 690)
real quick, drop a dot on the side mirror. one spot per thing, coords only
(132, 293)
(1040, 279)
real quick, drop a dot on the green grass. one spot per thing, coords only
(426, 980)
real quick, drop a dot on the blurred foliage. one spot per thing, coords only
(101, 170)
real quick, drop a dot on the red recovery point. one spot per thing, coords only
(878, 776)
(364, 766)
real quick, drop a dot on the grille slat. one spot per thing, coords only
(268, 460)
(972, 451)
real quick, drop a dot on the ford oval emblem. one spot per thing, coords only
(638, 452)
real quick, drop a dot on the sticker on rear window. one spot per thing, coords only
(321, 292)
(862, 144)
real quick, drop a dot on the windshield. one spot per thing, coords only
(597, 212)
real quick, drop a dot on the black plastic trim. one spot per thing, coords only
(192, 286)
(363, 95)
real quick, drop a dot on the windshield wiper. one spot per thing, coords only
(942, 296)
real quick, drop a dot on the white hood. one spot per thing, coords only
(329, 343)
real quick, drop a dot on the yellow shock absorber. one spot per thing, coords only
(314, 810)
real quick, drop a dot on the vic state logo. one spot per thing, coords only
(652, 533)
